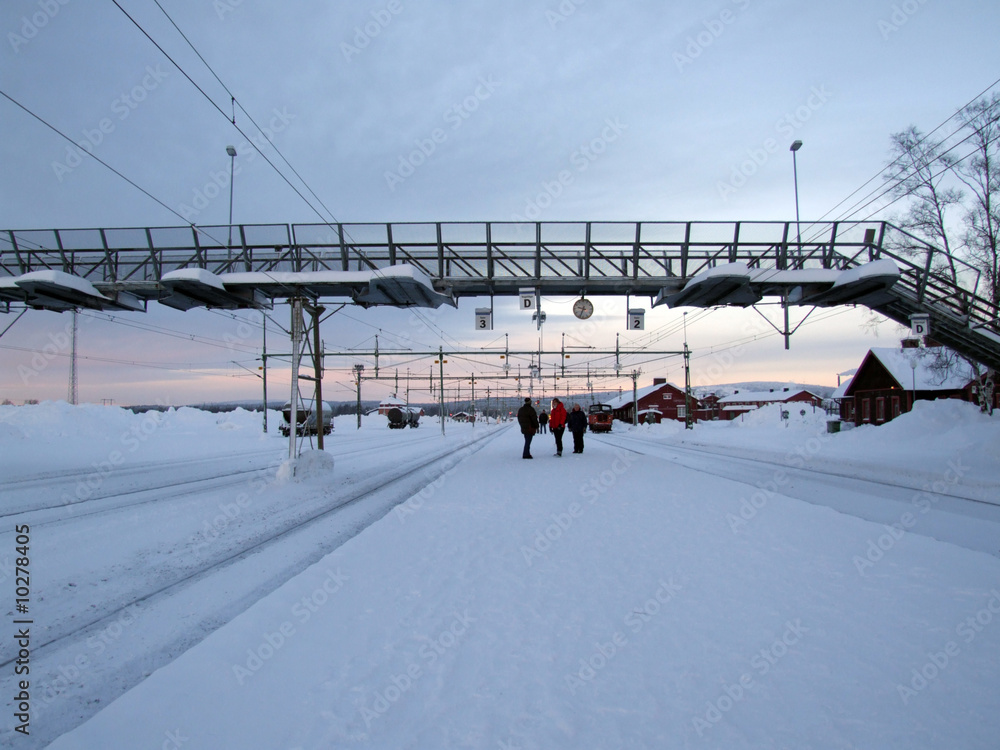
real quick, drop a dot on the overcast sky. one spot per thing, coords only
(651, 107)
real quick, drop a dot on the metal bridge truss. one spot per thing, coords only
(701, 264)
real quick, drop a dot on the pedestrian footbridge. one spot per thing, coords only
(427, 264)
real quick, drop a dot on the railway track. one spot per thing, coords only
(247, 572)
(732, 466)
(199, 475)
(360, 492)
(942, 509)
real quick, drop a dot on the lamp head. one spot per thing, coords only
(796, 145)
(230, 150)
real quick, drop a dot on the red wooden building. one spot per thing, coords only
(659, 401)
(708, 408)
(889, 381)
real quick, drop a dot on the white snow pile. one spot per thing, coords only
(310, 465)
(32, 435)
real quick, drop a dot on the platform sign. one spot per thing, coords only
(484, 319)
(920, 325)
(527, 299)
(636, 319)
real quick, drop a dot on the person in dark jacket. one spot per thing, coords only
(577, 424)
(557, 423)
(543, 419)
(528, 420)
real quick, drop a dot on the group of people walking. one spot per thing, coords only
(557, 421)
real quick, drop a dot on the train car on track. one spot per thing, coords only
(599, 418)
(405, 416)
(306, 419)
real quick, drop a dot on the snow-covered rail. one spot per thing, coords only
(945, 509)
(117, 488)
(733, 465)
(182, 586)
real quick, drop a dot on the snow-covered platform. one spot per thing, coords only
(607, 600)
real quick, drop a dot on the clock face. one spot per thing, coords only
(583, 308)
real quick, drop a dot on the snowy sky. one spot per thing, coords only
(676, 96)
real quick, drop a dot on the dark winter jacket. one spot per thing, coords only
(577, 421)
(543, 418)
(528, 420)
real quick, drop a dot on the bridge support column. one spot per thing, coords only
(296, 356)
(787, 332)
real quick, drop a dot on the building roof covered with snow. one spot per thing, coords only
(924, 369)
(767, 397)
(841, 391)
(626, 398)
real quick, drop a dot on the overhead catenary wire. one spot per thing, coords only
(171, 366)
(90, 153)
(170, 332)
(894, 162)
(328, 221)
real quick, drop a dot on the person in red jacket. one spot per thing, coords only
(557, 423)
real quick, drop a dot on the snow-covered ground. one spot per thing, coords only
(721, 587)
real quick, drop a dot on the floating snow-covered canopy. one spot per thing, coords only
(57, 290)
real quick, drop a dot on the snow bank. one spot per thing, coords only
(310, 465)
(35, 437)
(59, 419)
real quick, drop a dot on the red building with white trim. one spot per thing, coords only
(657, 402)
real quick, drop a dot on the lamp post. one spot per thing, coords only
(232, 163)
(796, 145)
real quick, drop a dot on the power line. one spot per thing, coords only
(890, 188)
(177, 366)
(441, 333)
(890, 165)
(236, 102)
(172, 333)
(58, 132)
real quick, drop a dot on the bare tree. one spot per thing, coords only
(939, 184)
(980, 173)
(947, 363)
(919, 170)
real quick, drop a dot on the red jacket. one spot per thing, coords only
(557, 418)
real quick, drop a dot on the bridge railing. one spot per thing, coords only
(452, 250)
(473, 256)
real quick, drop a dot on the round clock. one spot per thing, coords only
(583, 308)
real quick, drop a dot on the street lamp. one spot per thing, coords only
(232, 162)
(796, 145)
